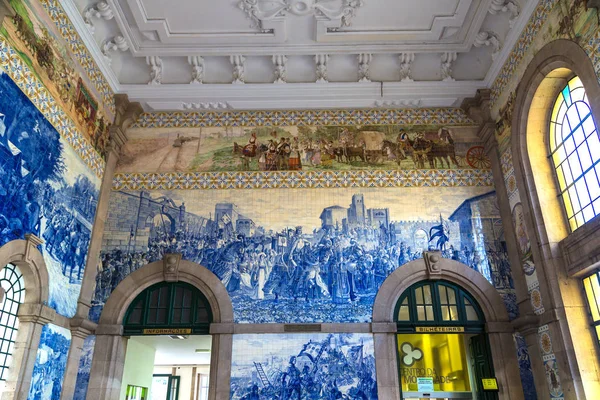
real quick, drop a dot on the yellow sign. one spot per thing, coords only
(490, 384)
(440, 329)
(167, 331)
(441, 357)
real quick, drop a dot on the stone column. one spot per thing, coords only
(78, 336)
(32, 318)
(127, 114)
(107, 364)
(386, 360)
(220, 361)
(527, 322)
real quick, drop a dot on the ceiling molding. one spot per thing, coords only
(303, 95)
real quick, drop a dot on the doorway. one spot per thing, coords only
(169, 348)
(443, 351)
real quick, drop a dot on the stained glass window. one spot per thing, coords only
(575, 152)
(591, 284)
(12, 283)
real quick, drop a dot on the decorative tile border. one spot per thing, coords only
(85, 59)
(19, 72)
(520, 48)
(410, 116)
(302, 180)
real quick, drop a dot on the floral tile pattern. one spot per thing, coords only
(302, 179)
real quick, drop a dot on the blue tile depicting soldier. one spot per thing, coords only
(337, 268)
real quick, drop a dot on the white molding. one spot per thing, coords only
(303, 95)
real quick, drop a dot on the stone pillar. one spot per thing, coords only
(500, 337)
(78, 336)
(220, 361)
(386, 360)
(32, 318)
(127, 114)
(107, 364)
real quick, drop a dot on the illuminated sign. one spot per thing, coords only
(440, 329)
(433, 362)
(186, 331)
(490, 384)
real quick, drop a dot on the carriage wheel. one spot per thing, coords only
(476, 158)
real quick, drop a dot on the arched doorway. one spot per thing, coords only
(169, 347)
(494, 317)
(182, 295)
(443, 350)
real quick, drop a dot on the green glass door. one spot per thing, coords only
(482, 366)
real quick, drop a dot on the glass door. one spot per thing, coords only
(165, 387)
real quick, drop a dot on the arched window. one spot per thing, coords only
(167, 306)
(13, 286)
(575, 151)
(438, 304)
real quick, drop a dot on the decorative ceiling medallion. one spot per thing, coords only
(259, 11)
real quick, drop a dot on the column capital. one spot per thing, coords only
(36, 313)
(82, 327)
(478, 107)
(526, 324)
(126, 115)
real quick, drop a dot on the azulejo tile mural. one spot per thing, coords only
(47, 190)
(12, 64)
(50, 363)
(303, 255)
(63, 65)
(303, 366)
(302, 148)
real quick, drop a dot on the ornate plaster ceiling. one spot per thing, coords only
(285, 54)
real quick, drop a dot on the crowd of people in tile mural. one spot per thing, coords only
(334, 258)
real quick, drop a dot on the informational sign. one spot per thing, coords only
(186, 331)
(440, 329)
(440, 358)
(490, 384)
(425, 385)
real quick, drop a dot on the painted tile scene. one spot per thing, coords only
(303, 366)
(306, 148)
(45, 189)
(303, 255)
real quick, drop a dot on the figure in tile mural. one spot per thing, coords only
(278, 251)
(46, 190)
(303, 367)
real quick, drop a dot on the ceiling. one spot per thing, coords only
(288, 54)
(176, 351)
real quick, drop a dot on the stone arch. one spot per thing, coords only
(146, 276)
(25, 255)
(33, 312)
(432, 267)
(535, 95)
(452, 271)
(543, 211)
(107, 366)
